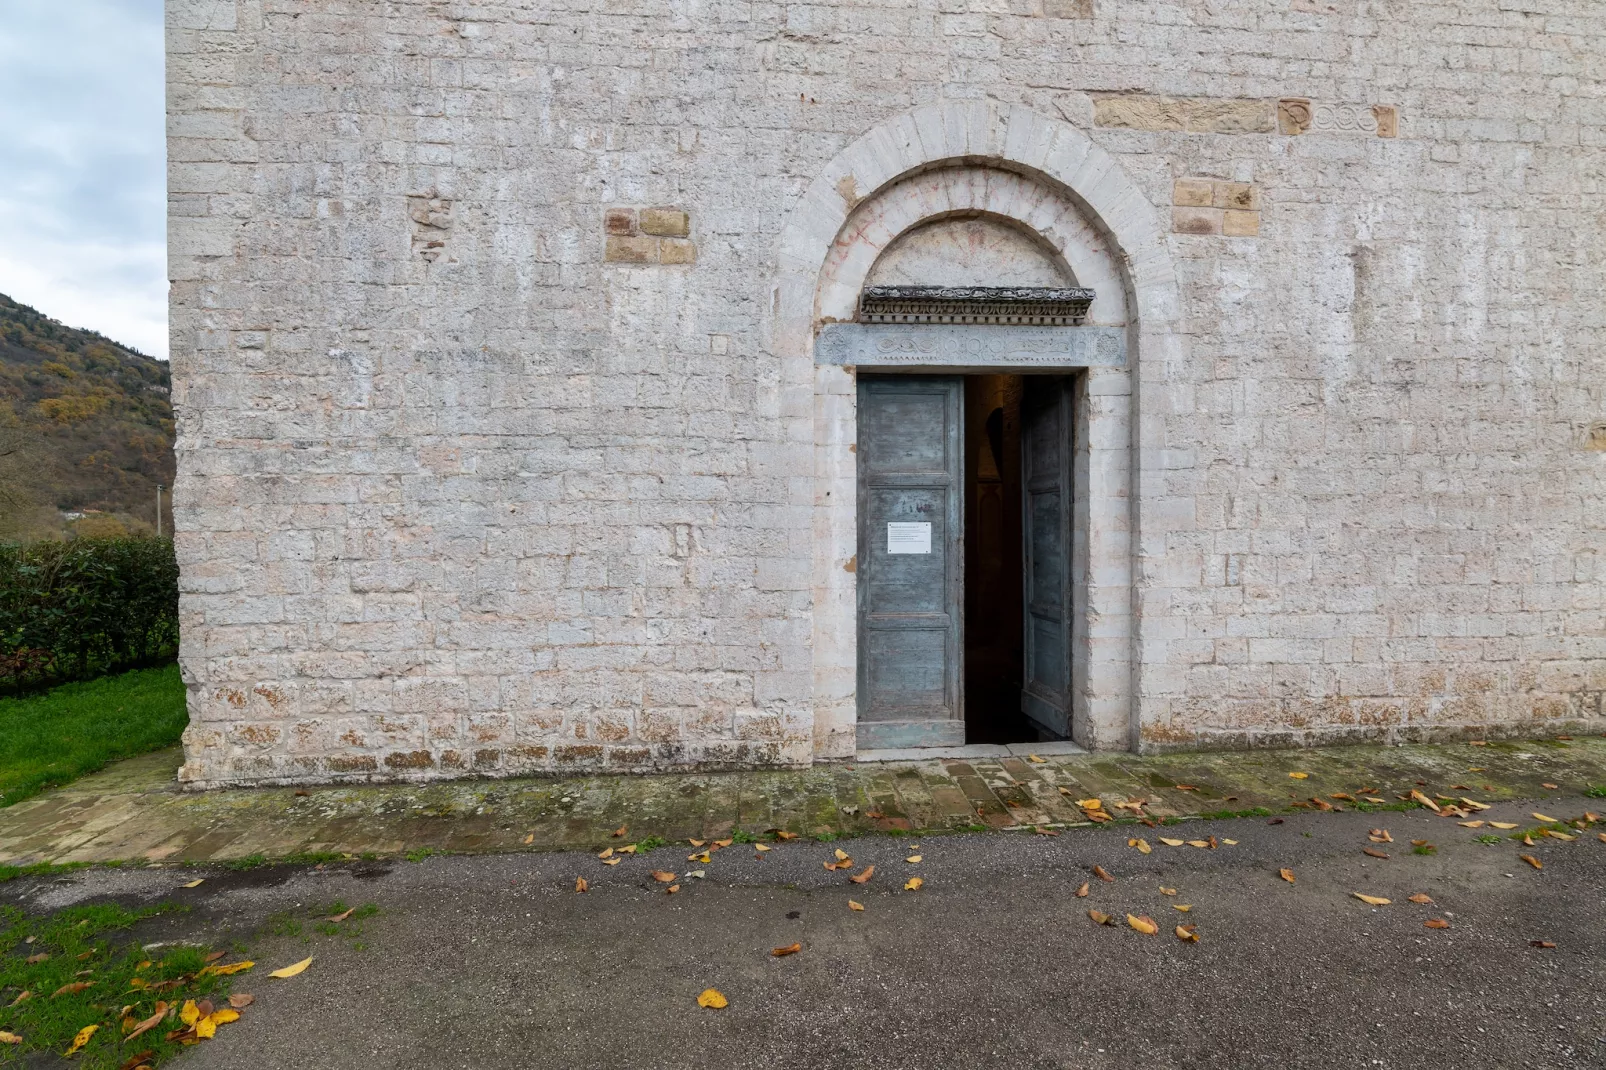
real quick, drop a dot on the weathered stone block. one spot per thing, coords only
(1388, 120)
(1193, 192)
(1068, 9)
(1235, 224)
(665, 222)
(677, 251)
(1241, 196)
(1196, 220)
(620, 221)
(1139, 112)
(625, 250)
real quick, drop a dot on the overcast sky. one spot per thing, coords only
(83, 165)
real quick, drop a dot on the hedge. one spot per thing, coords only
(75, 610)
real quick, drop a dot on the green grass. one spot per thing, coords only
(93, 943)
(59, 735)
(1597, 792)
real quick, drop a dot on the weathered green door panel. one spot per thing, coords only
(1046, 445)
(910, 467)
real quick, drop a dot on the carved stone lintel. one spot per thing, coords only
(885, 345)
(1020, 305)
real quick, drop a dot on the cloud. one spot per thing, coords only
(84, 161)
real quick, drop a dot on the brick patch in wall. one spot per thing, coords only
(647, 236)
(431, 215)
(1215, 206)
(1194, 115)
(1297, 115)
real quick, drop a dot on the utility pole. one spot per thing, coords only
(158, 510)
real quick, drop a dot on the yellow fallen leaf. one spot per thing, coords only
(1436, 923)
(1188, 933)
(1424, 800)
(1229, 843)
(1142, 846)
(841, 855)
(663, 876)
(81, 1039)
(1286, 874)
(1374, 799)
(696, 843)
(628, 849)
(619, 832)
(789, 949)
(1100, 918)
(1184, 907)
(760, 847)
(612, 861)
(195, 883)
(1146, 926)
(723, 843)
(672, 889)
(1553, 834)
(1601, 836)
(71, 989)
(225, 971)
(1035, 758)
(912, 858)
(1532, 861)
(1541, 817)
(150, 1023)
(1198, 843)
(9, 1038)
(293, 969)
(530, 838)
(713, 999)
(855, 906)
(1168, 891)
(1090, 804)
(1170, 842)
(1470, 824)
(860, 878)
(580, 885)
(607, 852)
(1102, 874)
(1420, 897)
(1372, 900)
(1299, 776)
(1474, 804)
(912, 884)
(1081, 893)
(701, 856)
(24, 994)
(1502, 824)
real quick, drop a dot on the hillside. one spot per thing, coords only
(85, 425)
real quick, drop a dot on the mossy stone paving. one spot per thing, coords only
(134, 811)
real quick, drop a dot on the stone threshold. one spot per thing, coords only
(971, 752)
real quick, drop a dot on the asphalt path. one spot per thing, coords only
(489, 962)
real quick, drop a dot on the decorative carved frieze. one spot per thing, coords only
(878, 345)
(1012, 305)
(1296, 115)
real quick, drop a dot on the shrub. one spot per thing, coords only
(73, 610)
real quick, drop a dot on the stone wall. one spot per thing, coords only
(489, 462)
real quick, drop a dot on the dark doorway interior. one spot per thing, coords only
(993, 609)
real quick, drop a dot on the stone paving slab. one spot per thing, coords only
(134, 810)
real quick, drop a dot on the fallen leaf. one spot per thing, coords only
(1540, 943)
(1436, 923)
(782, 834)
(619, 832)
(1420, 843)
(71, 989)
(663, 876)
(1470, 824)
(698, 873)
(607, 852)
(1286, 874)
(1299, 776)
(1528, 840)
(1320, 804)
(1188, 933)
(1549, 785)
(1186, 787)
(723, 843)
(580, 885)
(841, 855)
(612, 861)
(1374, 799)
(672, 889)
(701, 856)
(1532, 861)
(628, 849)
(1102, 874)
(9, 1038)
(292, 969)
(1035, 758)
(789, 949)
(1081, 893)
(1502, 824)
(1478, 742)
(1553, 834)
(1184, 907)
(1424, 800)
(912, 884)
(1341, 795)
(1145, 925)
(1167, 891)
(1229, 843)
(1420, 897)
(141, 1061)
(24, 994)
(1142, 846)
(81, 1039)
(913, 858)
(241, 1000)
(214, 956)
(761, 848)
(1474, 804)
(1542, 817)
(1041, 831)
(1199, 843)
(195, 883)
(1097, 815)
(1380, 836)
(855, 906)
(1090, 804)
(860, 878)
(1170, 842)
(713, 999)
(225, 971)
(1373, 851)
(529, 839)
(34, 960)
(1371, 900)
(1101, 918)
(1602, 836)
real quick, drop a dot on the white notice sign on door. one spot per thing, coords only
(908, 538)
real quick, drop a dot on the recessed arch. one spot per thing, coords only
(1044, 174)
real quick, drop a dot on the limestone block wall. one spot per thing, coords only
(489, 460)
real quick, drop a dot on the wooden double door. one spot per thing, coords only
(911, 581)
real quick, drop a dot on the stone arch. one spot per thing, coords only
(1049, 165)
